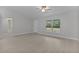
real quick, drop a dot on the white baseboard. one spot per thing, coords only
(12, 35)
(58, 36)
(22, 34)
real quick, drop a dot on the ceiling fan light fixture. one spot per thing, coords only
(43, 10)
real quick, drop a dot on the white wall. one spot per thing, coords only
(68, 25)
(21, 24)
(0, 23)
(78, 22)
(2, 12)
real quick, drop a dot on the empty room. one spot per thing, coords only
(39, 29)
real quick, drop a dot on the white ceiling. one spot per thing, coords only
(34, 12)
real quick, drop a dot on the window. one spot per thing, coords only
(53, 25)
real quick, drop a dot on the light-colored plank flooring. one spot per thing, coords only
(35, 43)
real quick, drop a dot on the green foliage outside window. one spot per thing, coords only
(53, 24)
(56, 23)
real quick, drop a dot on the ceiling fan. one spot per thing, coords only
(44, 8)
